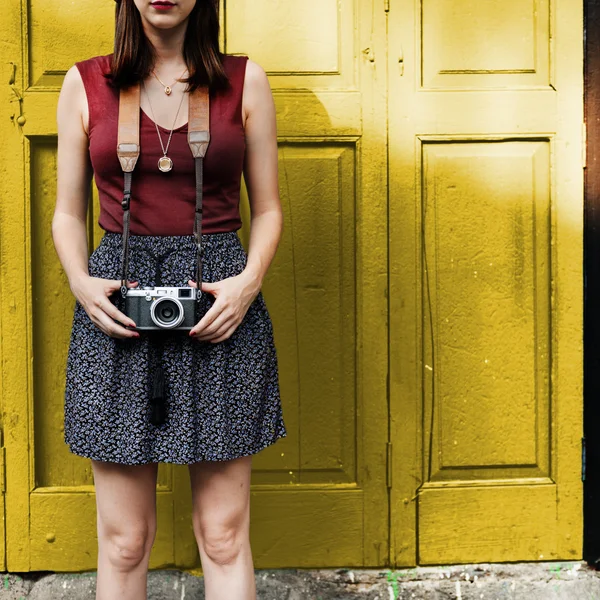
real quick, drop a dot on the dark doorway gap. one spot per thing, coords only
(591, 281)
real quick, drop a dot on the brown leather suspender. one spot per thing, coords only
(128, 151)
(198, 140)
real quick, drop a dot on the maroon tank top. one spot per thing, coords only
(164, 203)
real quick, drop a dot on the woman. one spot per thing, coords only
(221, 380)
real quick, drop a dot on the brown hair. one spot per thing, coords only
(134, 55)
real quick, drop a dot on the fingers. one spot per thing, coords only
(211, 314)
(220, 321)
(206, 286)
(109, 327)
(112, 285)
(110, 309)
(218, 326)
(224, 332)
(226, 335)
(210, 286)
(102, 311)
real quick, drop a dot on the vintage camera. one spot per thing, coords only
(162, 307)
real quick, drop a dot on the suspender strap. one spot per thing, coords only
(128, 151)
(198, 139)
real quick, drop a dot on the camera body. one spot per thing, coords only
(162, 308)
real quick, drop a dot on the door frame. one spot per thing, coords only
(591, 318)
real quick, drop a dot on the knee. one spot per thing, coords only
(127, 550)
(222, 544)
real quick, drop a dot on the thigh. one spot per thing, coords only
(125, 498)
(221, 494)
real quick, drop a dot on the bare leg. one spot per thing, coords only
(221, 521)
(126, 516)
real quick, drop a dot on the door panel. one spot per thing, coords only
(303, 45)
(464, 44)
(486, 283)
(327, 302)
(489, 305)
(313, 492)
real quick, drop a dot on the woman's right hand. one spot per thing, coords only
(93, 295)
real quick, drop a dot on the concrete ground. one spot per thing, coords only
(561, 580)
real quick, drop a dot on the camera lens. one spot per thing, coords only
(167, 312)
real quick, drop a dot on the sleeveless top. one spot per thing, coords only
(164, 203)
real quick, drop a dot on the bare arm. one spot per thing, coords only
(261, 173)
(74, 174)
(235, 294)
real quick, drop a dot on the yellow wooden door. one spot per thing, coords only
(486, 208)
(320, 496)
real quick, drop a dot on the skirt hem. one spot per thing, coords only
(177, 461)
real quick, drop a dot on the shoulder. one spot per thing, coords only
(256, 87)
(74, 82)
(249, 74)
(81, 69)
(234, 66)
(94, 65)
(255, 74)
(71, 99)
(100, 61)
(80, 87)
(242, 65)
(257, 96)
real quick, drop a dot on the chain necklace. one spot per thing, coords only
(168, 88)
(165, 164)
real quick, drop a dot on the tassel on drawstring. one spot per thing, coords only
(158, 400)
(158, 405)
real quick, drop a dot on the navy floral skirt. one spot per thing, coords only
(222, 399)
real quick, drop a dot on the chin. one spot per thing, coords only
(164, 22)
(165, 19)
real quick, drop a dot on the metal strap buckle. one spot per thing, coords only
(125, 201)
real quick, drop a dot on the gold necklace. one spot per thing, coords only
(165, 164)
(168, 88)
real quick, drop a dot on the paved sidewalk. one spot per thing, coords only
(561, 580)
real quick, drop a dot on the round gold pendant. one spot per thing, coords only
(168, 90)
(165, 164)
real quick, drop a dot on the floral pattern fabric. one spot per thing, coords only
(223, 399)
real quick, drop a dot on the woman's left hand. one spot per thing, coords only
(233, 297)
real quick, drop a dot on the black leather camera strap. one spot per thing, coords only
(128, 151)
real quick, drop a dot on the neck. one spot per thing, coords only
(168, 46)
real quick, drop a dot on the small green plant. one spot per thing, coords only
(392, 579)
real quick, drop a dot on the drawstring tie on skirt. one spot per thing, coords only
(158, 404)
(158, 400)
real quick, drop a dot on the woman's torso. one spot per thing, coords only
(164, 203)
